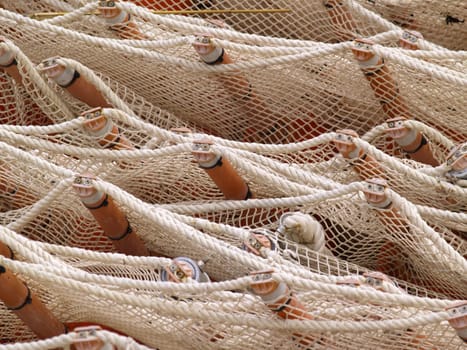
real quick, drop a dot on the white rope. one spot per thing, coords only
(28, 158)
(61, 341)
(442, 54)
(316, 197)
(406, 170)
(430, 69)
(27, 248)
(197, 311)
(67, 272)
(449, 216)
(104, 257)
(59, 5)
(290, 171)
(63, 127)
(374, 133)
(34, 143)
(431, 133)
(354, 6)
(198, 66)
(40, 205)
(27, 70)
(73, 15)
(456, 262)
(64, 340)
(90, 76)
(166, 221)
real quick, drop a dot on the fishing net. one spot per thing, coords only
(82, 285)
(286, 91)
(272, 113)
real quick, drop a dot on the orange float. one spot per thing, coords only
(9, 65)
(70, 79)
(110, 217)
(20, 300)
(102, 128)
(385, 87)
(6, 251)
(221, 171)
(458, 318)
(259, 242)
(380, 78)
(456, 161)
(119, 21)
(184, 270)
(411, 141)
(364, 164)
(280, 299)
(260, 128)
(75, 326)
(391, 259)
(409, 39)
(87, 340)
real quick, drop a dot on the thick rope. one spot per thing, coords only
(29, 71)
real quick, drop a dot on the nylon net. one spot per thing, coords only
(222, 142)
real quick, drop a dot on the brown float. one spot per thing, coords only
(110, 217)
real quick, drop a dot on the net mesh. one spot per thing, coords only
(291, 80)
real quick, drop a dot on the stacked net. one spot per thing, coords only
(85, 286)
(271, 107)
(47, 210)
(441, 23)
(286, 91)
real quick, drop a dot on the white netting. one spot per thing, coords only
(291, 80)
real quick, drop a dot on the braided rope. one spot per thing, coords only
(44, 130)
(89, 75)
(374, 17)
(197, 310)
(406, 170)
(34, 143)
(316, 197)
(65, 340)
(29, 71)
(73, 15)
(40, 205)
(27, 248)
(432, 133)
(374, 133)
(456, 262)
(287, 186)
(166, 221)
(442, 214)
(104, 257)
(61, 341)
(291, 171)
(432, 54)
(431, 69)
(28, 158)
